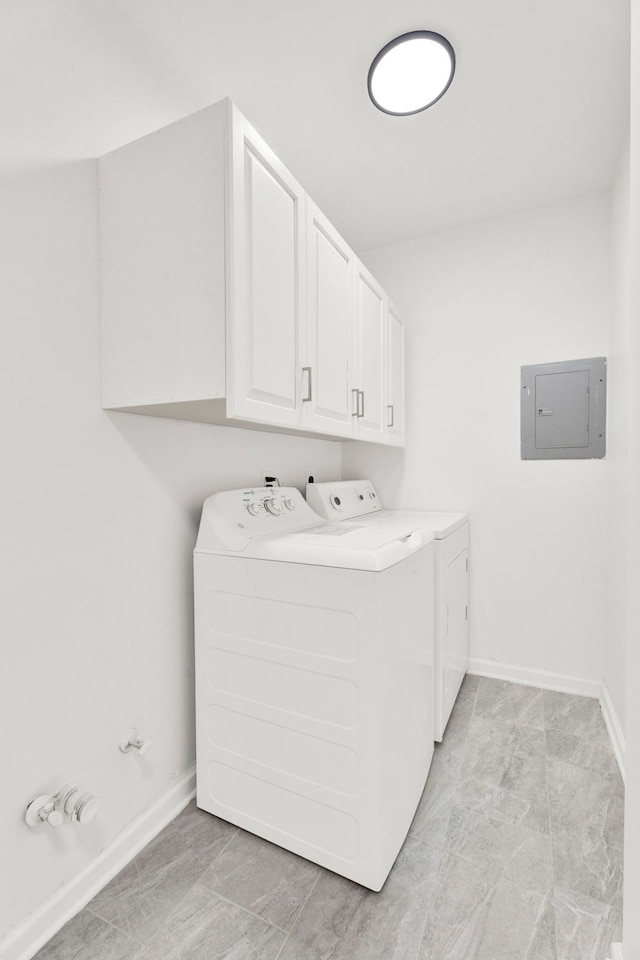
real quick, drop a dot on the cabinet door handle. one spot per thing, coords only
(309, 395)
(356, 412)
(390, 407)
(361, 395)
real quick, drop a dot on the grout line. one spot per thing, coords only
(222, 850)
(114, 926)
(444, 846)
(475, 699)
(244, 909)
(176, 907)
(300, 912)
(95, 913)
(552, 892)
(431, 898)
(427, 843)
(173, 907)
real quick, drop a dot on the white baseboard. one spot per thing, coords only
(23, 942)
(536, 678)
(615, 731)
(616, 951)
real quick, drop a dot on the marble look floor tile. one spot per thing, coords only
(206, 927)
(471, 681)
(87, 937)
(595, 754)
(462, 711)
(512, 757)
(477, 915)
(262, 877)
(506, 754)
(590, 866)
(512, 702)
(585, 928)
(543, 944)
(524, 857)
(431, 819)
(450, 750)
(138, 899)
(578, 716)
(583, 804)
(587, 824)
(492, 801)
(466, 699)
(343, 921)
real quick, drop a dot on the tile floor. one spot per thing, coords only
(515, 853)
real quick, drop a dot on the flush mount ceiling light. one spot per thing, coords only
(411, 72)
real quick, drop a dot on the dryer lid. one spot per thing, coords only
(357, 500)
(440, 524)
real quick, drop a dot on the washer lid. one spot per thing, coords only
(354, 546)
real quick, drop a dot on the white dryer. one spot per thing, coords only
(357, 501)
(314, 677)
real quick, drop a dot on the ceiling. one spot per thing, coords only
(537, 111)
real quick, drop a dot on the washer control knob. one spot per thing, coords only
(335, 501)
(274, 506)
(254, 509)
(290, 504)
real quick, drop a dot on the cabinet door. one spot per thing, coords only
(265, 282)
(330, 316)
(370, 357)
(395, 377)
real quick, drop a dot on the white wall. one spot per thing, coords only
(632, 802)
(618, 449)
(478, 303)
(99, 516)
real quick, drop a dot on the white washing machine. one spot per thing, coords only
(314, 677)
(357, 500)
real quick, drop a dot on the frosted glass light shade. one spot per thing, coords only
(411, 72)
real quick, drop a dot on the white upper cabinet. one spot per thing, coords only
(328, 332)
(395, 404)
(162, 269)
(227, 297)
(266, 276)
(369, 358)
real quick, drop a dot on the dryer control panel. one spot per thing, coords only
(344, 499)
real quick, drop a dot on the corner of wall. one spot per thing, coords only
(614, 728)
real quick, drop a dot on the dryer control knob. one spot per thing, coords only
(254, 509)
(290, 504)
(335, 501)
(273, 506)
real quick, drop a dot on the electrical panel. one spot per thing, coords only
(563, 410)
